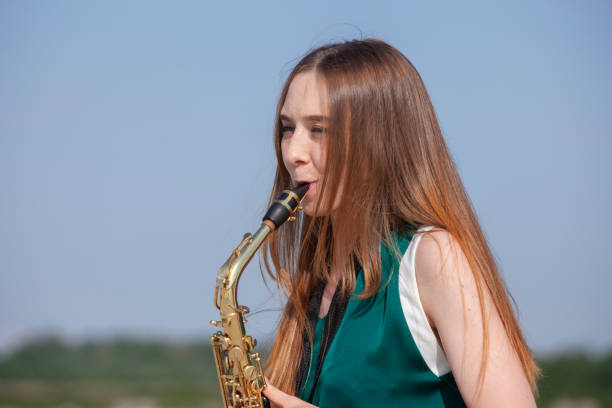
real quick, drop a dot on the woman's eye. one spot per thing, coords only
(287, 128)
(318, 129)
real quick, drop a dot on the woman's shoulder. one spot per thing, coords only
(429, 248)
(438, 255)
(442, 270)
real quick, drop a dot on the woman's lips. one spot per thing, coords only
(311, 188)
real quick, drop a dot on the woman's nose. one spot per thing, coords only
(296, 147)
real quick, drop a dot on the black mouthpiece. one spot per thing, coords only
(301, 190)
(286, 204)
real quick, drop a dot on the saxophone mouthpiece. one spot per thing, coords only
(301, 189)
(286, 205)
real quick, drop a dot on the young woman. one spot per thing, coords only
(393, 295)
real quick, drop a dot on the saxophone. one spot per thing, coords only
(239, 369)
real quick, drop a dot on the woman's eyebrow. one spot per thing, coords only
(312, 118)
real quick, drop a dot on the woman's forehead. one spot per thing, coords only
(306, 97)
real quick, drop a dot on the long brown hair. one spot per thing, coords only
(384, 133)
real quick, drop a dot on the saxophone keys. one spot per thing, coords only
(246, 239)
(217, 298)
(235, 354)
(250, 373)
(222, 323)
(249, 342)
(255, 386)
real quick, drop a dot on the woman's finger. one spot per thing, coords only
(283, 400)
(276, 396)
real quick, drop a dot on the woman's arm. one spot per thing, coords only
(448, 293)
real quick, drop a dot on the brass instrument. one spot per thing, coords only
(239, 369)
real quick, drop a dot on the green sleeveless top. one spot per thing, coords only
(373, 359)
(316, 348)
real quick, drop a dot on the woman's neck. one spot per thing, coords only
(332, 282)
(328, 295)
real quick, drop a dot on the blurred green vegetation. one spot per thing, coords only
(576, 375)
(51, 373)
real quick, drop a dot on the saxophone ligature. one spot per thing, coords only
(239, 369)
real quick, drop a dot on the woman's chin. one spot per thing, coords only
(312, 211)
(309, 207)
(308, 211)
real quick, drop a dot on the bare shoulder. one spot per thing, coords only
(445, 280)
(441, 268)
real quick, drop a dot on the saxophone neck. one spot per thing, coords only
(230, 272)
(284, 208)
(245, 251)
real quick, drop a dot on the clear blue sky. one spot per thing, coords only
(135, 150)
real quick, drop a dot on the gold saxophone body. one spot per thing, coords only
(241, 377)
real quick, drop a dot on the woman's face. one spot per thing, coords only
(304, 117)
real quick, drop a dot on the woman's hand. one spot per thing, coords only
(279, 399)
